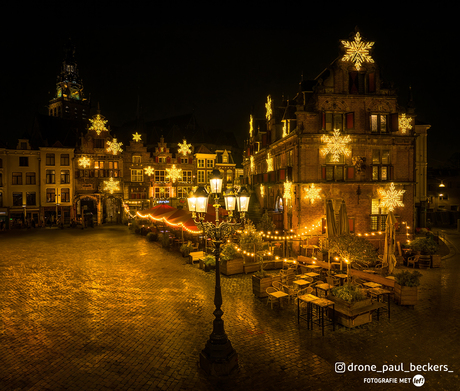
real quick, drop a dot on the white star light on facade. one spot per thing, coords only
(262, 190)
(357, 51)
(252, 165)
(174, 173)
(391, 198)
(98, 124)
(268, 108)
(184, 148)
(269, 162)
(84, 161)
(312, 193)
(137, 137)
(284, 130)
(149, 170)
(336, 145)
(114, 146)
(404, 123)
(111, 186)
(287, 190)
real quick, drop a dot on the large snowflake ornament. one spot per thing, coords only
(357, 51)
(111, 186)
(84, 162)
(114, 146)
(404, 123)
(287, 190)
(137, 137)
(391, 198)
(268, 108)
(312, 193)
(98, 123)
(184, 148)
(269, 162)
(149, 170)
(174, 173)
(336, 145)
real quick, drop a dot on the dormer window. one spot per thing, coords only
(361, 82)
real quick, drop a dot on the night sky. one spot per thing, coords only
(223, 69)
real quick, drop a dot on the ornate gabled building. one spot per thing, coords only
(343, 137)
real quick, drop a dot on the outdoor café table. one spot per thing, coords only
(342, 277)
(300, 283)
(306, 299)
(279, 295)
(323, 287)
(371, 284)
(314, 267)
(379, 292)
(312, 274)
(321, 306)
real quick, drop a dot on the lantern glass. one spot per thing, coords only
(191, 202)
(243, 200)
(201, 200)
(230, 200)
(216, 182)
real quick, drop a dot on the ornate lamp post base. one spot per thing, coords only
(219, 360)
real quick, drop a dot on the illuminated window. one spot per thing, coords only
(50, 195)
(159, 175)
(209, 163)
(186, 176)
(65, 176)
(161, 192)
(379, 123)
(50, 159)
(201, 176)
(380, 165)
(201, 163)
(182, 192)
(137, 175)
(50, 176)
(378, 216)
(65, 195)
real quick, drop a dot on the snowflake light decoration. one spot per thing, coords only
(184, 148)
(404, 123)
(287, 190)
(111, 186)
(149, 170)
(391, 197)
(357, 51)
(312, 193)
(268, 107)
(84, 161)
(262, 190)
(174, 173)
(98, 123)
(252, 165)
(336, 145)
(251, 125)
(269, 162)
(284, 130)
(137, 137)
(114, 146)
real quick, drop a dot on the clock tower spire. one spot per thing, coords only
(69, 101)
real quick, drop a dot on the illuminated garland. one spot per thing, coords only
(181, 225)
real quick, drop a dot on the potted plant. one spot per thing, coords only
(349, 299)
(406, 287)
(164, 240)
(208, 262)
(152, 237)
(231, 261)
(186, 249)
(426, 247)
(261, 280)
(355, 249)
(250, 242)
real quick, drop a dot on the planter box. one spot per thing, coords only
(251, 267)
(233, 266)
(269, 265)
(259, 285)
(435, 261)
(352, 314)
(406, 295)
(424, 261)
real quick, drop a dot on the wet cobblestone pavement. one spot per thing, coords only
(103, 309)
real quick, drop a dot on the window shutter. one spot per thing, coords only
(350, 172)
(156, 159)
(323, 172)
(391, 173)
(350, 120)
(394, 126)
(324, 121)
(371, 82)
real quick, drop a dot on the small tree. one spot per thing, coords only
(250, 239)
(355, 249)
(266, 223)
(228, 252)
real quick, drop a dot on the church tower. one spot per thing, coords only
(69, 101)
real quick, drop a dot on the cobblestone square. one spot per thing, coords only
(103, 309)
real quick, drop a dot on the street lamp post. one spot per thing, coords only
(218, 358)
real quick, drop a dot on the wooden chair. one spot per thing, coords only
(412, 260)
(277, 285)
(270, 298)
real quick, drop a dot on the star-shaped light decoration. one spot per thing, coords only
(251, 125)
(84, 161)
(312, 193)
(391, 198)
(268, 108)
(98, 123)
(184, 148)
(111, 186)
(404, 123)
(269, 162)
(149, 170)
(262, 190)
(287, 190)
(137, 137)
(174, 173)
(114, 146)
(357, 51)
(336, 145)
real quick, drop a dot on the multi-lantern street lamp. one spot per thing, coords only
(218, 357)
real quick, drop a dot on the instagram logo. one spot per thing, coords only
(339, 367)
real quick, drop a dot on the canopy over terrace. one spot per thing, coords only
(174, 217)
